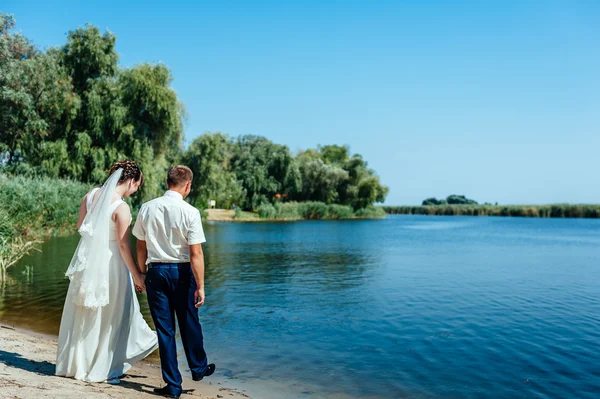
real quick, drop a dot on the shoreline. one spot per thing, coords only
(27, 363)
(224, 215)
(558, 211)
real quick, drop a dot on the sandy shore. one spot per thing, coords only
(224, 215)
(27, 371)
(220, 215)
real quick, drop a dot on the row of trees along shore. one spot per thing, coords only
(459, 205)
(541, 211)
(68, 112)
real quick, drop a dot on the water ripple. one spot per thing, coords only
(400, 308)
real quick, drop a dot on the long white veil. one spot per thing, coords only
(88, 270)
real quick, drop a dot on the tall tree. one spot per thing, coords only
(263, 168)
(36, 100)
(89, 55)
(320, 180)
(360, 187)
(209, 157)
(71, 112)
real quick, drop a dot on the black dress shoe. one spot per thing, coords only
(209, 371)
(166, 392)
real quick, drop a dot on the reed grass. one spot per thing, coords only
(541, 211)
(312, 210)
(370, 212)
(335, 211)
(31, 208)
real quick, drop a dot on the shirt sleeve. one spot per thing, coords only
(139, 230)
(196, 232)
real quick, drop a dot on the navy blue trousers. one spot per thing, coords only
(171, 288)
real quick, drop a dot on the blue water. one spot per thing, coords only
(409, 306)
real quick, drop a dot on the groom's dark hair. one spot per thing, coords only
(178, 175)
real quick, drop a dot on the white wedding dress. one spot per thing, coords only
(98, 344)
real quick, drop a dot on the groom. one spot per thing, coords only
(169, 233)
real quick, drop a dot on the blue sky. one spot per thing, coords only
(497, 100)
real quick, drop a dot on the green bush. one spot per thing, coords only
(43, 205)
(312, 210)
(335, 211)
(33, 207)
(287, 210)
(7, 229)
(370, 212)
(203, 213)
(267, 211)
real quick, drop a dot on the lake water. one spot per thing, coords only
(409, 306)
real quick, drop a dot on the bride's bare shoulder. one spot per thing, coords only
(93, 191)
(122, 213)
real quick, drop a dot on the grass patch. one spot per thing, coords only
(371, 212)
(335, 211)
(244, 216)
(314, 211)
(31, 208)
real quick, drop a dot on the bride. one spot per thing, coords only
(102, 332)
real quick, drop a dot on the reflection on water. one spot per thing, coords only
(438, 225)
(34, 293)
(425, 307)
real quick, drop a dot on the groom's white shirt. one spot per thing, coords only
(169, 225)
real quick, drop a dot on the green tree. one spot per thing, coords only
(320, 181)
(154, 110)
(434, 201)
(334, 154)
(36, 100)
(209, 157)
(370, 191)
(460, 200)
(89, 55)
(360, 187)
(71, 112)
(263, 168)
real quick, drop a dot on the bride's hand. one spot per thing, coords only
(139, 280)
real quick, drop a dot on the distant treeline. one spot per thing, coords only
(541, 211)
(450, 200)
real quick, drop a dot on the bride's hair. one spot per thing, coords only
(131, 170)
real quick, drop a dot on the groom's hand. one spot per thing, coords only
(199, 298)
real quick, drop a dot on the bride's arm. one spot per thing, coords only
(122, 218)
(82, 210)
(142, 255)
